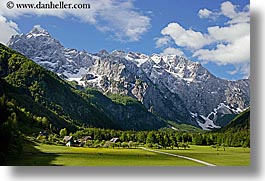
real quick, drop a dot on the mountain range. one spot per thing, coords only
(169, 87)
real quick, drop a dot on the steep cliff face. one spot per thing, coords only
(116, 74)
(170, 86)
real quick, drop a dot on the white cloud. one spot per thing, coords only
(228, 9)
(236, 52)
(229, 33)
(127, 23)
(232, 40)
(8, 28)
(185, 38)
(162, 41)
(121, 18)
(205, 13)
(173, 51)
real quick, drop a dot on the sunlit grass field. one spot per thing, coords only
(230, 157)
(42, 154)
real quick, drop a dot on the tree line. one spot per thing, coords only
(165, 138)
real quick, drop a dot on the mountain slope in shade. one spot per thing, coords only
(240, 122)
(44, 94)
(171, 86)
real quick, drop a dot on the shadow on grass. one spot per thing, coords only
(31, 156)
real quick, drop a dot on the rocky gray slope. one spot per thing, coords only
(169, 86)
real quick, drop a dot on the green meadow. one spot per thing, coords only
(232, 156)
(42, 154)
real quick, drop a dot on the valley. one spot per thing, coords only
(134, 100)
(74, 156)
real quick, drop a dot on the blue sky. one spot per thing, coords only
(215, 33)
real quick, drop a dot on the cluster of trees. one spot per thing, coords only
(24, 120)
(10, 142)
(165, 138)
(122, 99)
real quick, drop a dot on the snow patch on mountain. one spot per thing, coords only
(78, 80)
(208, 124)
(210, 121)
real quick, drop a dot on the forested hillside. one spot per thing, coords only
(44, 94)
(239, 123)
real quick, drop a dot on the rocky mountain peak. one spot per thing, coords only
(37, 30)
(102, 52)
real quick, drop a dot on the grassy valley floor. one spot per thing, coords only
(232, 156)
(42, 154)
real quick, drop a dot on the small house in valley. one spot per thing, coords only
(83, 140)
(86, 138)
(115, 140)
(67, 138)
